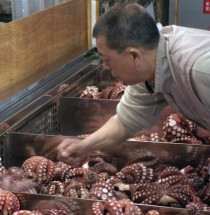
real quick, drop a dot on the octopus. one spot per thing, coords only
(90, 92)
(27, 212)
(9, 203)
(152, 212)
(40, 168)
(136, 173)
(102, 191)
(114, 207)
(61, 171)
(42, 212)
(91, 177)
(53, 212)
(196, 208)
(100, 178)
(75, 189)
(159, 194)
(97, 157)
(114, 91)
(178, 129)
(123, 191)
(172, 175)
(54, 188)
(204, 193)
(205, 171)
(63, 87)
(187, 177)
(104, 167)
(13, 180)
(77, 174)
(152, 137)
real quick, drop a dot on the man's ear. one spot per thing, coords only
(136, 54)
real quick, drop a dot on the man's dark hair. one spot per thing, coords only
(127, 25)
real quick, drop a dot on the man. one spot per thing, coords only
(171, 67)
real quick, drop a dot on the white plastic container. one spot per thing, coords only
(21, 8)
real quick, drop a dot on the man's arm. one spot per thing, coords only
(110, 134)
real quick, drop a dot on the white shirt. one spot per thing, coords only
(139, 109)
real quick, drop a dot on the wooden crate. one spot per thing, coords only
(34, 46)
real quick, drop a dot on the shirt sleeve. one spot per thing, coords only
(200, 78)
(139, 109)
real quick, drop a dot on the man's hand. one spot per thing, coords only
(72, 151)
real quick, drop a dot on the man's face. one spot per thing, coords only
(121, 65)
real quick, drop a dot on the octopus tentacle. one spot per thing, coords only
(101, 191)
(204, 193)
(9, 203)
(124, 191)
(61, 170)
(178, 129)
(105, 167)
(170, 175)
(55, 188)
(152, 212)
(76, 174)
(53, 212)
(27, 212)
(90, 92)
(67, 206)
(42, 167)
(136, 173)
(205, 171)
(75, 189)
(159, 194)
(129, 208)
(111, 207)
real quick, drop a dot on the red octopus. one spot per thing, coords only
(90, 92)
(42, 212)
(27, 212)
(58, 207)
(114, 207)
(61, 171)
(196, 208)
(152, 137)
(9, 203)
(102, 191)
(178, 129)
(75, 189)
(54, 188)
(42, 169)
(159, 194)
(152, 212)
(205, 171)
(13, 180)
(136, 173)
(114, 91)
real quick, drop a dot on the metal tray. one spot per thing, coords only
(18, 147)
(84, 207)
(84, 116)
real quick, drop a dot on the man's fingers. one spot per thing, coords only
(64, 144)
